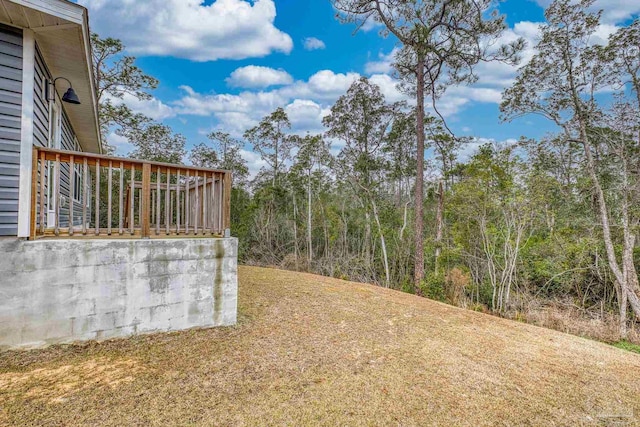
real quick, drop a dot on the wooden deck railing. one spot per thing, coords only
(85, 194)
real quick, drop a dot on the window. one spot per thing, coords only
(78, 175)
(78, 183)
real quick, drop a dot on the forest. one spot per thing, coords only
(539, 230)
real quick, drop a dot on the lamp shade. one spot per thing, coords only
(71, 97)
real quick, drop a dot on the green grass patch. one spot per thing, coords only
(626, 345)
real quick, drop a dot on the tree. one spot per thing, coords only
(313, 152)
(116, 75)
(228, 154)
(441, 43)
(269, 138)
(156, 142)
(361, 118)
(203, 156)
(560, 84)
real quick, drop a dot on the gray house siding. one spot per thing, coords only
(41, 106)
(68, 139)
(10, 123)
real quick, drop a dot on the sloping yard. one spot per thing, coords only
(310, 350)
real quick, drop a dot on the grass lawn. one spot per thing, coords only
(310, 350)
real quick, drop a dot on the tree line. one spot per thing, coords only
(548, 219)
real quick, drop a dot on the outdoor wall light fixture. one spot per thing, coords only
(70, 95)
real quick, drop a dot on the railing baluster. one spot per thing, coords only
(197, 215)
(85, 194)
(158, 202)
(120, 201)
(33, 219)
(220, 207)
(214, 205)
(214, 224)
(226, 194)
(109, 191)
(72, 188)
(57, 196)
(153, 207)
(186, 204)
(205, 220)
(212, 214)
(145, 201)
(178, 203)
(132, 196)
(97, 203)
(167, 198)
(198, 204)
(141, 205)
(43, 179)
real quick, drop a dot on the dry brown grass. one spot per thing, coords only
(564, 316)
(310, 350)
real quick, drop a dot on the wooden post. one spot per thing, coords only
(220, 203)
(227, 203)
(145, 199)
(186, 204)
(120, 202)
(178, 203)
(132, 201)
(158, 201)
(57, 197)
(85, 194)
(109, 202)
(204, 204)
(97, 204)
(212, 201)
(167, 198)
(34, 191)
(43, 178)
(196, 190)
(72, 187)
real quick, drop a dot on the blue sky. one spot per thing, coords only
(224, 64)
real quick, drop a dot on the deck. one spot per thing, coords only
(81, 195)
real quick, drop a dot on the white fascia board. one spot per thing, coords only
(62, 9)
(26, 132)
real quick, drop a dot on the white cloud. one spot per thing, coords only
(153, 108)
(253, 76)
(384, 64)
(307, 102)
(312, 43)
(191, 29)
(254, 162)
(324, 85)
(613, 11)
(306, 116)
(389, 88)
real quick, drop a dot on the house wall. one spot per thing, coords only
(10, 127)
(60, 291)
(68, 140)
(11, 73)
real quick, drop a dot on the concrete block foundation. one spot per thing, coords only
(65, 290)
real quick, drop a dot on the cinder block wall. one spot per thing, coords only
(60, 291)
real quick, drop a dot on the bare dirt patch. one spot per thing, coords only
(311, 350)
(55, 385)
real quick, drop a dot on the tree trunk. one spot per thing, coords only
(295, 231)
(626, 278)
(418, 274)
(385, 259)
(439, 225)
(309, 247)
